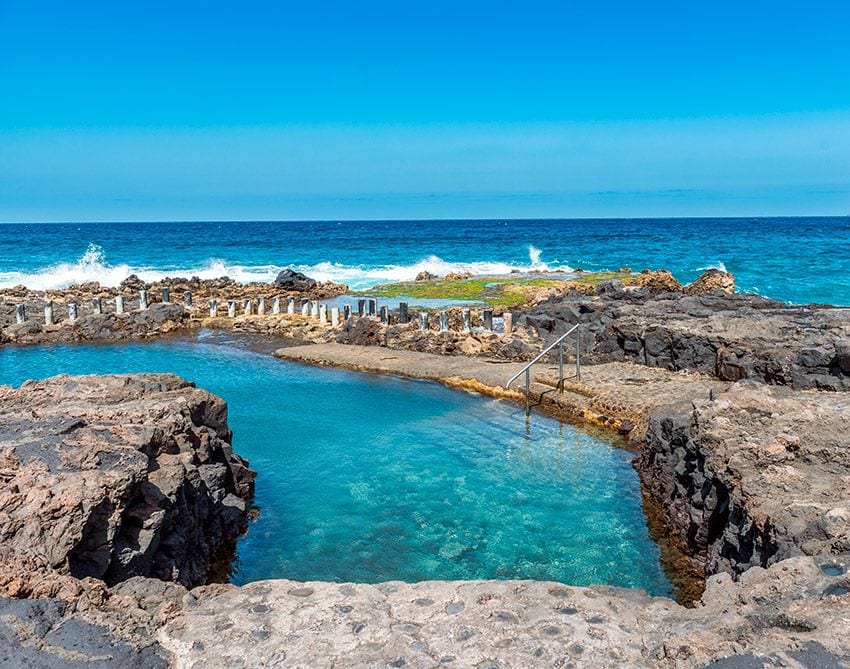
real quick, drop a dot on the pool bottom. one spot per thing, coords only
(369, 479)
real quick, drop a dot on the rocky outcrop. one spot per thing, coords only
(289, 279)
(109, 477)
(711, 281)
(752, 476)
(408, 336)
(731, 337)
(158, 320)
(160, 317)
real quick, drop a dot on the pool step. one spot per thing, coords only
(570, 384)
(569, 404)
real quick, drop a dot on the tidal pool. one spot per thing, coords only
(369, 478)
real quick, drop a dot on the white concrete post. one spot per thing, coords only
(246, 306)
(187, 299)
(213, 308)
(143, 300)
(346, 312)
(166, 295)
(96, 305)
(261, 306)
(423, 320)
(231, 308)
(509, 323)
(361, 308)
(48, 312)
(314, 309)
(119, 304)
(276, 305)
(305, 308)
(444, 321)
(72, 311)
(373, 307)
(335, 317)
(402, 313)
(465, 314)
(290, 305)
(385, 315)
(323, 314)
(20, 313)
(488, 320)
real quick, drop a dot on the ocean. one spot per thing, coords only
(799, 260)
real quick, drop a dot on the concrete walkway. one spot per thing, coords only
(617, 396)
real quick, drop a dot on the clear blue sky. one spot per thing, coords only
(276, 110)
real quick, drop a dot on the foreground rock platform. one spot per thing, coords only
(788, 616)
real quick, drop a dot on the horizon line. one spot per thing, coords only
(430, 219)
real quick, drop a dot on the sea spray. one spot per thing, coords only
(93, 266)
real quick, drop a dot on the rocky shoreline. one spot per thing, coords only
(738, 404)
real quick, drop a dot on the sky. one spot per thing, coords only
(430, 109)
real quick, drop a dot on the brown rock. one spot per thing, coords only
(112, 477)
(712, 280)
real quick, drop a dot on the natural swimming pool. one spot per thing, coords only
(369, 478)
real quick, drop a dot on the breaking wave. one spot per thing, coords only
(718, 265)
(93, 266)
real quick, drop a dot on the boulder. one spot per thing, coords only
(425, 276)
(712, 280)
(658, 281)
(289, 279)
(133, 282)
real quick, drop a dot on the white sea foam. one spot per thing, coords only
(718, 265)
(93, 266)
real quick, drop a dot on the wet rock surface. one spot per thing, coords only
(731, 337)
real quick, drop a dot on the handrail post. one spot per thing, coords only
(578, 354)
(527, 388)
(561, 367)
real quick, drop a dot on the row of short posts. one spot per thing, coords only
(366, 307)
(97, 306)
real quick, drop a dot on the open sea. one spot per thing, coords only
(791, 259)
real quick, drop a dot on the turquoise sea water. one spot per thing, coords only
(369, 478)
(791, 259)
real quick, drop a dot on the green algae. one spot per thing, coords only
(496, 291)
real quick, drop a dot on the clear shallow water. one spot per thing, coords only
(368, 478)
(791, 259)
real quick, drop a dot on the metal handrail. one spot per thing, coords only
(559, 342)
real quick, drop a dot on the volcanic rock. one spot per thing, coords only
(112, 477)
(712, 280)
(732, 337)
(289, 279)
